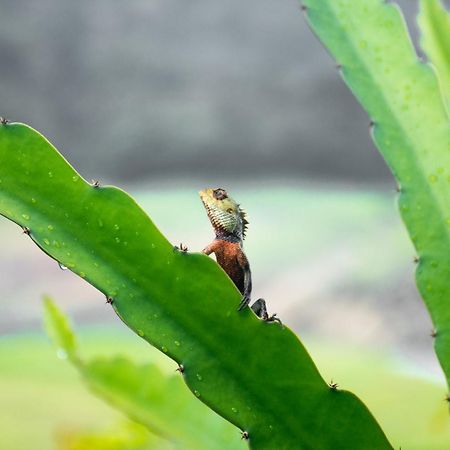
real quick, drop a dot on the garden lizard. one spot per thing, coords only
(230, 225)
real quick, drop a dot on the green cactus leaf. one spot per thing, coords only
(255, 374)
(411, 129)
(146, 395)
(434, 22)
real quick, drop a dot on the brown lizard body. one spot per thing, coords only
(230, 224)
(231, 258)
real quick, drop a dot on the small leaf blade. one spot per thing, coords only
(434, 23)
(59, 330)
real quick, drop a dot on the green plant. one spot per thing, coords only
(143, 392)
(410, 127)
(255, 374)
(434, 22)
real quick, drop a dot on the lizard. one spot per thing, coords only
(230, 225)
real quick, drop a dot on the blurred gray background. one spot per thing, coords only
(161, 88)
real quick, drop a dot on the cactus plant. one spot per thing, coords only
(255, 374)
(145, 394)
(410, 127)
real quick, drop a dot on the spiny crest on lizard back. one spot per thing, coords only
(224, 213)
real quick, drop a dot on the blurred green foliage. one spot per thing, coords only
(434, 22)
(120, 436)
(145, 394)
(50, 400)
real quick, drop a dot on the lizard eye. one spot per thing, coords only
(230, 210)
(220, 194)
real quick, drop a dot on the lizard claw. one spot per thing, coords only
(244, 302)
(273, 318)
(181, 248)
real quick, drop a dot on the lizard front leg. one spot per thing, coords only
(211, 248)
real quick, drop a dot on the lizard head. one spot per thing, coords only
(224, 213)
